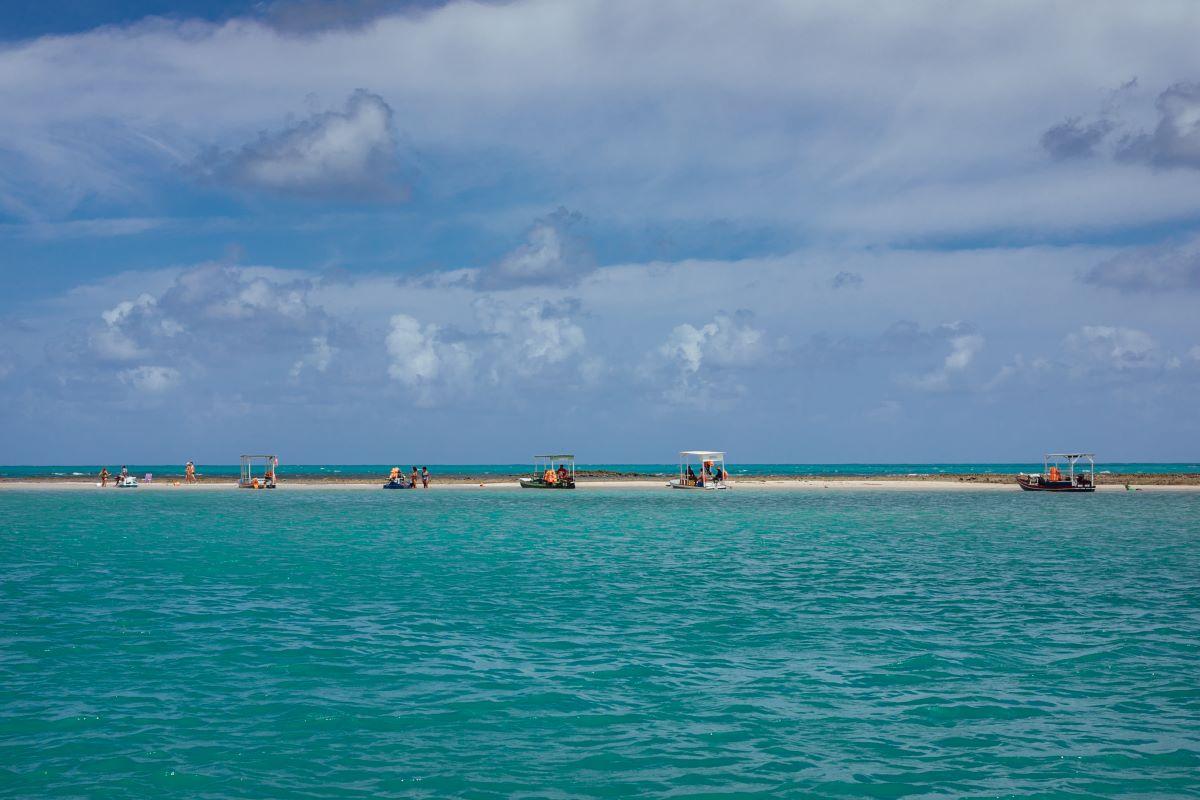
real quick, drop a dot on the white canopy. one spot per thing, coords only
(701, 453)
(557, 455)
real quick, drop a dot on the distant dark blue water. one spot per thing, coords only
(458, 470)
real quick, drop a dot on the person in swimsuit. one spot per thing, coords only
(189, 473)
(416, 477)
(425, 477)
(104, 476)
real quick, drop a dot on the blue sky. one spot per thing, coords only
(450, 232)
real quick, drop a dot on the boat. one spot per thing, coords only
(127, 482)
(712, 474)
(546, 476)
(249, 480)
(1053, 479)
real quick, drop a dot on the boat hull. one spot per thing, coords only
(712, 486)
(538, 483)
(1052, 486)
(390, 485)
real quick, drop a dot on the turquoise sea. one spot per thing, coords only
(599, 644)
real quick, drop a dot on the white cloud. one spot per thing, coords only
(348, 153)
(963, 350)
(701, 365)
(420, 360)
(126, 324)
(317, 359)
(724, 342)
(1113, 348)
(847, 121)
(532, 336)
(152, 379)
(552, 254)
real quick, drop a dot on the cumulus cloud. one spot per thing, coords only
(531, 336)
(423, 362)
(1160, 268)
(513, 346)
(963, 350)
(725, 342)
(701, 365)
(213, 320)
(350, 154)
(552, 254)
(1175, 141)
(129, 324)
(317, 359)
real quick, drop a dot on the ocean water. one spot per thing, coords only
(459, 470)
(599, 644)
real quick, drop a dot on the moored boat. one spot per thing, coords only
(1053, 479)
(249, 480)
(546, 476)
(712, 473)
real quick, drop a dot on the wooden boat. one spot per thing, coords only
(1053, 479)
(545, 476)
(712, 470)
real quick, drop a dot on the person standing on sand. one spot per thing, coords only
(416, 477)
(103, 476)
(424, 477)
(189, 473)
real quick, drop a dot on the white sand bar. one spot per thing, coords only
(839, 485)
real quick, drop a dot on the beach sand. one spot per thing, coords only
(751, 485)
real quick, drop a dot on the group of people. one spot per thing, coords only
(189, 475)
(105, 475)
(417, 476)
(708, 473)
(553, 476)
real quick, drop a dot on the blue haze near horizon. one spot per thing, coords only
(620, 227)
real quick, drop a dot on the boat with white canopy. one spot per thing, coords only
(711, 474)
(250, 479)
(547, 476)
(1054, 479)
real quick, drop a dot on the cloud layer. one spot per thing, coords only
(812, 231)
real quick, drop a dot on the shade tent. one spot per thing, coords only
(701, 457)
(248, 480)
